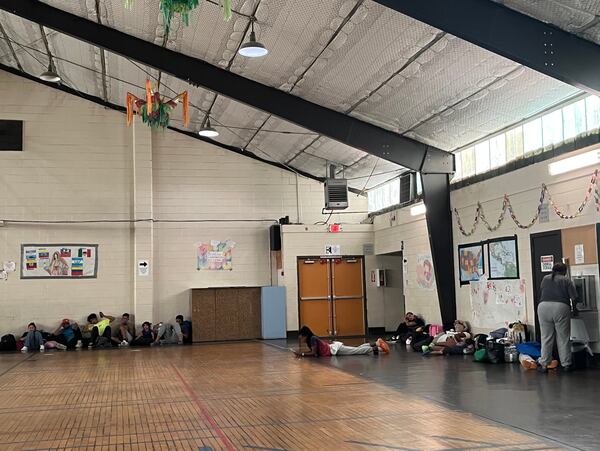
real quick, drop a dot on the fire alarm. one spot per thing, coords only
(335, 228)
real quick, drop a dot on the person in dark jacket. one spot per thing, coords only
(411, 327)
(554, 315)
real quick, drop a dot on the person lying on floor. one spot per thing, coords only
(410, 328)
(447, 344)
(169, 334)
(67, 334)
(320, 348)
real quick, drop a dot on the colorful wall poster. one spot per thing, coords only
(425, 274)
(470, 262)
(496, 303)
(503, 256)
(59, 261)
(215, 256)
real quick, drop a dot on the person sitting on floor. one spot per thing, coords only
(67, 334)
(145, 337)
(168, 334)
(186, 328)
(447, 343)
(320, 348)
(33, 339)
(412, 327)
(121, 335)
(99, 328)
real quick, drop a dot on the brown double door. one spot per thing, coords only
(331, 295)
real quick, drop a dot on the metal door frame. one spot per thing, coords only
(330, 292)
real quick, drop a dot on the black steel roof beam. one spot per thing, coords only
(528, 41)
(335, 125)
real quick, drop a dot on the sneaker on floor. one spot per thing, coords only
(383, 345)
(61, 346)
(42, 349)
(90, 346)
(529, 364)
(124, 343)
(24, 349)
(553, 365)
(79, 344)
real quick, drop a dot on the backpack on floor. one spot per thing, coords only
(8, 343)
(480, 341)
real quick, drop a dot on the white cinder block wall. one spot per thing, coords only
(78, 163)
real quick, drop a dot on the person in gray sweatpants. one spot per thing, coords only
(554, 315)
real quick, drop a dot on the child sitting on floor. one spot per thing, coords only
(145, 337)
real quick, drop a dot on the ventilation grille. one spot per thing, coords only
(336, 194)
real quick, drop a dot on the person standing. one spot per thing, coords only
(554, 315)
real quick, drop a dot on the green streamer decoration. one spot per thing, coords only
(183, 7)
(226, 5)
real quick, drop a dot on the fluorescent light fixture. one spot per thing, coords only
(252, 48)
(582, 160)
(418, 209)
(208, 131)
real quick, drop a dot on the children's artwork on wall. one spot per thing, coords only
(496, 303)
(470, 262)
(425, 274)
(503, 257)
(59, 261)
(215, 256)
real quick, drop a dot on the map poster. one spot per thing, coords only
(470, 262)
(425, 275)
(215, 256)
(503, 256)
(59, 261)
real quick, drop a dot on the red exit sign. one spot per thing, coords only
(335, 228)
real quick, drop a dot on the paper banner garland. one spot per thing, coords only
(544, 194)
(154, 109)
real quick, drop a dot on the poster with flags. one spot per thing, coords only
(59, 261)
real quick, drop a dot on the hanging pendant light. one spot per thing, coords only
(208, 131)
(252, 48)
(50, 75)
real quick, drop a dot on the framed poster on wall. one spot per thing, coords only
(503, 258)
(59, 261)
(470, 262)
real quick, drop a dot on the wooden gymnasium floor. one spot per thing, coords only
(248, 396)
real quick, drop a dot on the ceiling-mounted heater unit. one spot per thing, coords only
(336, 192)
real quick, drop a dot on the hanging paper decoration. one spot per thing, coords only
(154, 109)
(545, 193)
(183, 7)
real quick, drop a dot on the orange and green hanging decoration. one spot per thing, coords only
(154, 109)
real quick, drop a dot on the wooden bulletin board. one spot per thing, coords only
(585, 235)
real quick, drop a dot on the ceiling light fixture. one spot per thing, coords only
(208, 131)
(582, 160)
(418, 210)
(50, 75)
(252, 48)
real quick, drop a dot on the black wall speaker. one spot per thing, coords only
(275, 237)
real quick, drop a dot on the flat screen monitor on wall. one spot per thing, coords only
(11, 135)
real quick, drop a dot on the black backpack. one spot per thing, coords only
(480, 341)
(8, 343)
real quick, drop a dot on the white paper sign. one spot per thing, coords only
(579, 255)
(143, 267)
(547, 262)
(333, 249)
(9, 266)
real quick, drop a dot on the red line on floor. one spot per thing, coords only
(205, 413)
